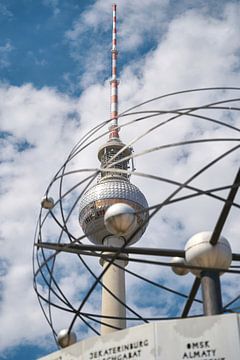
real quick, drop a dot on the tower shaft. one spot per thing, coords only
(114, 277)
(114, 280)
(114, 293)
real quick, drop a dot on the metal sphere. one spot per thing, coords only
(97, 200)
(120, 219)
(64, 338)
(199, 252)
(47, 203)
(179, 270)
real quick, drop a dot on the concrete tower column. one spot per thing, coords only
(114, 280)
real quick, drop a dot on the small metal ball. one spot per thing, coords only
(47, 202)
(120, 219)
(200, 252)
(65, 338)
(179, 270)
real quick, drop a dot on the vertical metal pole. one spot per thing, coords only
(211, 292)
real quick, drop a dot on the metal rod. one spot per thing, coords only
(191, 297)
(225, 211)
(75, 248)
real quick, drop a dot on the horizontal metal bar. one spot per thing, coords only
(75, 248)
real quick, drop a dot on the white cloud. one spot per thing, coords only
(147, 14)
(137, 23)
(196, 50)
(38, 117)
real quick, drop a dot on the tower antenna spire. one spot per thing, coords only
(113, 127)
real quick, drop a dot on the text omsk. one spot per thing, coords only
(201, 350)
(128, 351)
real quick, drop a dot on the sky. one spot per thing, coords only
(55, 62)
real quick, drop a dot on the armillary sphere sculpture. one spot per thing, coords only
(67, 275)
(109, 235)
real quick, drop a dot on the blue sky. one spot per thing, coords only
(55, 68)
(35, 34)
(35, 37)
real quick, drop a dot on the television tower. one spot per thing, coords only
(114, 211)
(113, 214)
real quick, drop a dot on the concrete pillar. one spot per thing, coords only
(114, 280)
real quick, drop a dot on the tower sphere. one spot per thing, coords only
(97, 200)
(200, 252)
(120, 219)
(65, 338)
(179, 270)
